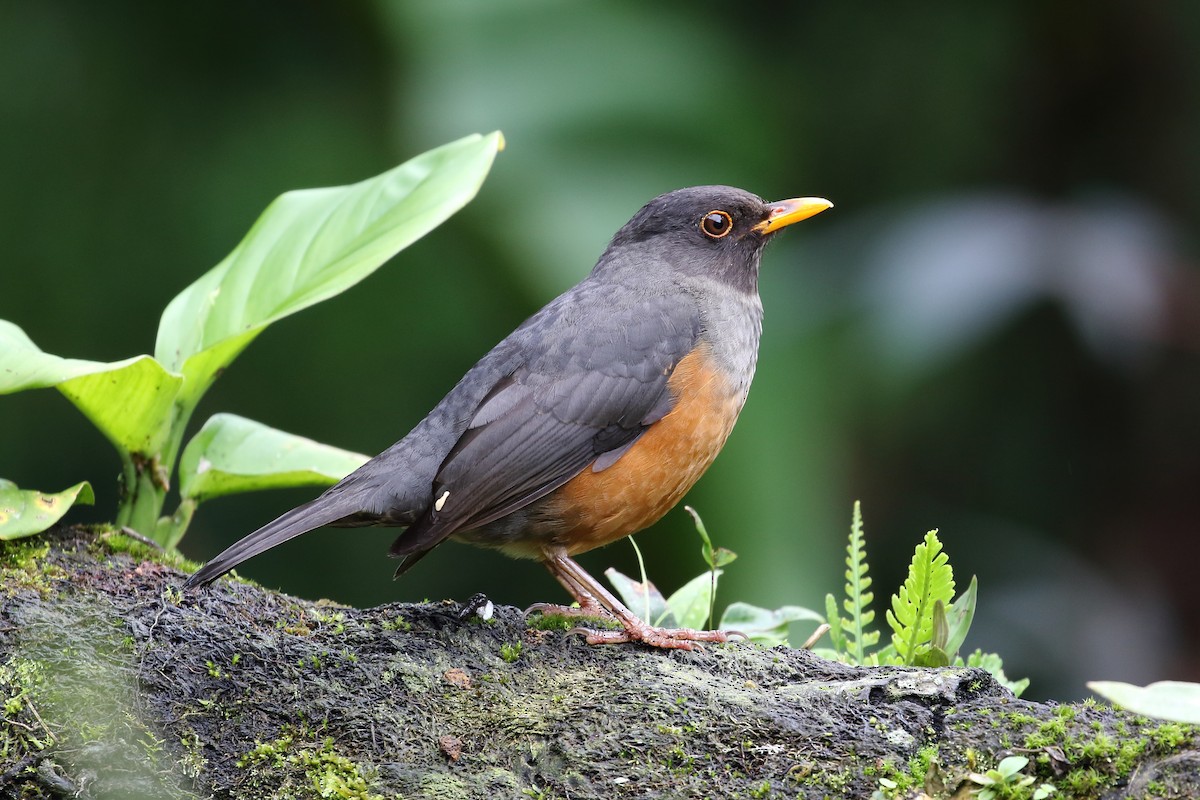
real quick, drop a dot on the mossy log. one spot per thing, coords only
(117, 685)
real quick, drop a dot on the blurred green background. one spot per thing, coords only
(994, 333)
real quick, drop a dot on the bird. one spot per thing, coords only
(589, 421)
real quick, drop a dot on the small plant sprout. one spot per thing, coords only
(692, 606)
(1007, 781)
(928, 629)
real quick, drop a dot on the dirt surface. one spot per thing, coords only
(115, 684)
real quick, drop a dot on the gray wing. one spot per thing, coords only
(583, 397)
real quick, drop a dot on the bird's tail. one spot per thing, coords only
(328, 508)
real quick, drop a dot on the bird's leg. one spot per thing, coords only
(588, 605)
(589, 593)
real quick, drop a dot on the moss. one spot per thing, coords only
(21, 566)
(111, 541)
(763, 790)
(23, 554)
(1082, 782)
(192, 762)
(901, 782)
(284, 768)
(510, 652)
(76, 700)
(1098, 755)
(1171, 735)
(25, 733)
(1156, 789)
(397, 624)
(334, 622)
(562, 622)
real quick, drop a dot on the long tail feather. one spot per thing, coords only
(326, 509)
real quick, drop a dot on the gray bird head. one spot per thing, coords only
(713, 231)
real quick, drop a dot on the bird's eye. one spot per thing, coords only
(716, 224)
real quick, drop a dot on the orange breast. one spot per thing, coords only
(595, 508)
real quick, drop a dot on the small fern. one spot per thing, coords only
(914, 615)
(851, 636)
(927, 628)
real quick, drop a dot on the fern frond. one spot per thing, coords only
(930, 578)
(834, 620)
(857, 604)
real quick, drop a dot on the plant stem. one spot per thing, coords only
(144, 499)
(147, 480)
(171, 529)
(128, 482)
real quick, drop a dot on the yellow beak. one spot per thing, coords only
(785, 212)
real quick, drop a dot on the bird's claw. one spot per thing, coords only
(667, 638)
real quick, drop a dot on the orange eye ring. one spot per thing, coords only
(716, 224)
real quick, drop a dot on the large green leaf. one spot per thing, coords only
(233, 454)
(23, 365)
(691, 602)
(643, 599)
(764, 625)
(24, 512)
(1174, 700)
(310, 245)
(129, 401)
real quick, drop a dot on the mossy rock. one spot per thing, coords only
(117, 684)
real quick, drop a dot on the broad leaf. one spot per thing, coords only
(1172, 700)
(763, 625)
(959, 617)
(311, 245)
(690, 604)
(23, 365)
(233, 454)
(25, 512)
(129, 401)
(643, 599)
(131, 405)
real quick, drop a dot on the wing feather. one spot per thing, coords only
(580, 402)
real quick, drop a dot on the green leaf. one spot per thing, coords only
(1171, 700)
(132, 406)
(637, 596)
(129, 401)
(857, 635)
(723, 557)
(836, 638)
(24, 512)
(993, 664)
(706, 547)
(1011, 765)
(715, 558)
(930, 578)
(765, 626)
(885, 655)
(959, 617)
(310, 245)
(233, 454)
(931, 656)
(689, 605)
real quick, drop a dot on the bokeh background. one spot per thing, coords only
(994, 333)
